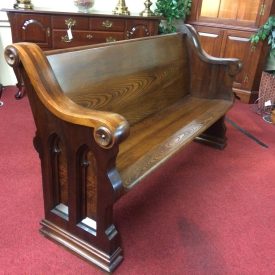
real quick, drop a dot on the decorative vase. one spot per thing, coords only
(121, 8)
(147, 11)
(23, 4)
(84, 5)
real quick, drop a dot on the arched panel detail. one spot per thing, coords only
(138, 30)
(42, 32)
(59, 169)
(87, 174)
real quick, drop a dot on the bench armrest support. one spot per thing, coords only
(211, 77)
(109, 128)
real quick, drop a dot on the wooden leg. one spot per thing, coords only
(20, 84)
(20, 93)
(215, 135)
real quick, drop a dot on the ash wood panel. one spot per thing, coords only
(87, 185)
(123, 59)
(167, 132)
(90, 186)
(127, 94)
(152, 81)
(62, 172)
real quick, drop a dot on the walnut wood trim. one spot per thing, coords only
(50, 93)
(233, 63)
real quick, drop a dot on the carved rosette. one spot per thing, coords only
(103, 136)
(12, 56)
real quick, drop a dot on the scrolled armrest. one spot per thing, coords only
(234, 64)
(109, 128)
(211, 77)
(107, 138)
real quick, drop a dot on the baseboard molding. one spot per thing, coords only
(4, 24)
(81, 248)
(4, 21)
(246, 96)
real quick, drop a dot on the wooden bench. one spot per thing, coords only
(107, 116)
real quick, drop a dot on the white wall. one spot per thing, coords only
(6, 73)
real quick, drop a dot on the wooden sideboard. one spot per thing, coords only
(57, 30)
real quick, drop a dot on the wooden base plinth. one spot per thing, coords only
(81, 248)
(215, 142)
(246, 96)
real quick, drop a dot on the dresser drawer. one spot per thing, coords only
(75, 22)
(107, 24)
(80, 38)
(102, 37)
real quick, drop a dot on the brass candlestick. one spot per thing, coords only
(23, 4)
(121, 8)
(147, 11)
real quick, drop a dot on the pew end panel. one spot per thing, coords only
(107, 116)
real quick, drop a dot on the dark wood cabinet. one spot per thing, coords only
(56, 30)
(31, 28)
(225, 27)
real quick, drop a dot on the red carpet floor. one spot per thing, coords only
(206, 212)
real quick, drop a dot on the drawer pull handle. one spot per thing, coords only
(48, 31)
(262, 9)
(66, 39)
(89, 36)
(69, 36)
(253, 48)
(246, 79)
(70, 22)
(110, 39)
(107, 24)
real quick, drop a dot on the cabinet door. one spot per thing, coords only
(34, 28)
(211, 39)
(241, 12)
(236, 44)
(232, 44)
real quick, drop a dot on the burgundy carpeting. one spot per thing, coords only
(206, 212)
